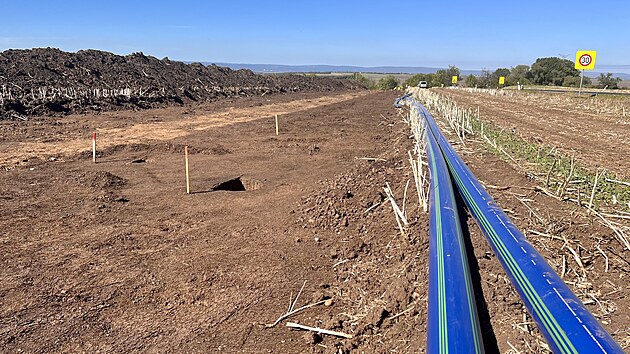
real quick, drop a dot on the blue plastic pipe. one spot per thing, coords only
(565, 322)
(453, 325)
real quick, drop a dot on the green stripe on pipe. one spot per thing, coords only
(559, 335)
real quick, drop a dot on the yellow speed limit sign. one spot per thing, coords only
(501, 80)
(454, 80)
(585, 59)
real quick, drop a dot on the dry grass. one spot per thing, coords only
(610, 106)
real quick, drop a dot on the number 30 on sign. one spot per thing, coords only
(585, 59)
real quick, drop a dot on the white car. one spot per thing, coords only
(423, 84)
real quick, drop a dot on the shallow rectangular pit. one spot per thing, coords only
(238, 184)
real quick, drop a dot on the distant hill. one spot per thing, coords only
(622, 71)
(277, 68)
(595, 74)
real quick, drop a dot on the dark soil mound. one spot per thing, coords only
(47, 81)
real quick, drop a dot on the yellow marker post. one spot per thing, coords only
(454, 79)
(187, 174)
(277, 130)
(501, 80)
(584, 60)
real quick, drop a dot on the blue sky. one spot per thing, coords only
(468, 34)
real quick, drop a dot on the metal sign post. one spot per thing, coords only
(584, 60)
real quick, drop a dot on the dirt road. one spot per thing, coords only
(114, 129)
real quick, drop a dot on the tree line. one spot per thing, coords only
(551, 71)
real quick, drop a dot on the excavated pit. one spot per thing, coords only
(238, 184)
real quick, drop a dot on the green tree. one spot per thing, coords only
(498, 73)
(414, 80)
(485, 79)
(471, 81)
(573, 81)
(552, 71)
(450, 72)
(518, 74)
(362, 79)
(608, 80)
(588, 82)
(388, 82)
(439, 78)
(443, 77)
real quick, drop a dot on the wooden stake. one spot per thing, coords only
(187, 174)
(94, 147)
(277, 130)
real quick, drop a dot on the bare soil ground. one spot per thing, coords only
(116, 257)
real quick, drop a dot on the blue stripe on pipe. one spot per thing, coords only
(565, 322)
(453, 325)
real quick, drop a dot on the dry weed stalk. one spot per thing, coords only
(319, 330)
(417, 157)
(292, 310)
(50, 93)
(401, 220)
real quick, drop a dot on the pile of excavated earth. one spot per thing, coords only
(47, 81)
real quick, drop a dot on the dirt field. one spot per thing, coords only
(116, 257)
(594, 129)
